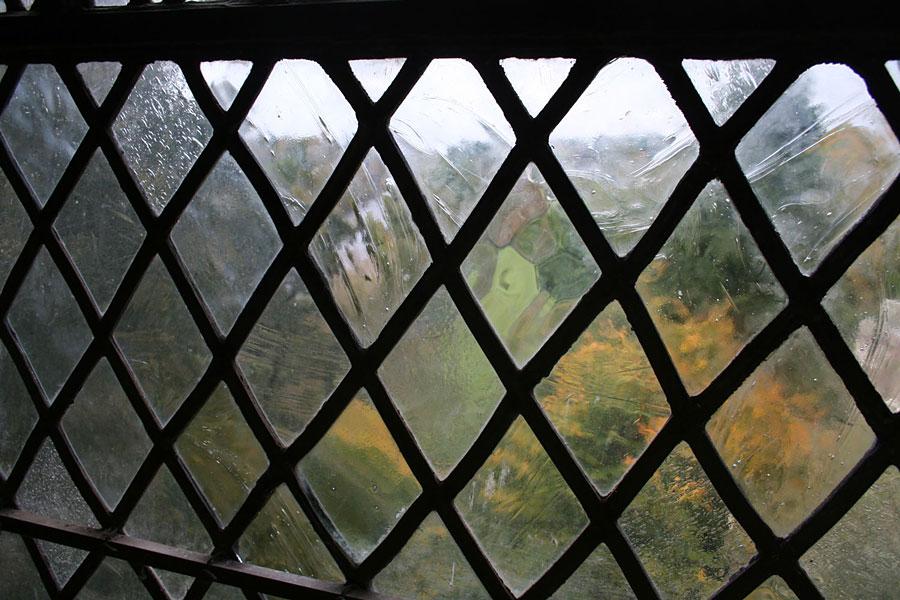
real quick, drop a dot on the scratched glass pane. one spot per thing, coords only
(536, 80)
(530, 267)
(598, 577)
(106, 434)
(15, 227)
(360, 478)
(161, 342)
(49, 324)
(773, 588)
(818, 159)
(432, 566)
(282, 538)
(682, 531)
(454, 136)
(42, 127)
(161, 131)
(298, 129)
(723, 85)
(100, 230)
(114, 578)
(442, 383)
(226, 240)
(790, 433)
(99, 78)
(865, 306)
(376, 75)
(625, 145)
(604, 399)
(17, 413)
(27, 584)
(225, 78)
(369, 250)
(709, 289)
(520, 508)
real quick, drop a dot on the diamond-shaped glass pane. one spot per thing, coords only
(530, 268)
(282, 538)
(598, 577)
(225, 78)
(818, 159)
(725, 84)
(709, 289)
(17, 414)
(298, 129)
(682, 531)
(442, 383)
(99, 77)
(26, 583)
(114, 579)
(865, 306)
(14, 228)
(161, 342)
(454, 136)
(859, 555)
(791, 432)
(100, 230)
(176, 584)
(161, 131)
(603, 397)
(431, 565)
(625, 145)
(520, 508)
(42, 127)
(226, 240)
(536, 80)
(106, 434)
(49, 324)
(773, 588)
(369, 250)
(359, 476)
(376, 75)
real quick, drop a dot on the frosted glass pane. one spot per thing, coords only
(99, 77)
(225, 78)
(376, 75)
(725, 84)
(536, 80)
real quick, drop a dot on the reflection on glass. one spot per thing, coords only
(14, 228)
(42, 127)
(682, 531)
(536, 80)
(709, 290)
(725, 84)
(773, 588)
(376, 75)
(625, 145)
(360, 478)
(442, 383)
(225, 78)
(454, 136)
(369, 250)
(603, 397)
(16, 559)
(818, 159)
(430, 566)
(114, 578)
(598, 577)
(520, 508)
(99, 77)
(298, 129)
(530, 267)
(17, 414)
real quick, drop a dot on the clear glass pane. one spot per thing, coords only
(161, 342)
(369, 250)
(530, 267)
(442, 383)
(99, 77)
(100, 230)
(432, 566)
(790, 433)
(376, 75)
(818, 159)
(298, 129)
(725, 84)
(17, 414)
(359, 476)
(709, 289)
(520, 508)
(27, 584)
(773, 588)
(625, 145)
(603, 397)
(225, 78)
(598, 577)
(42, 127)
(49, 324)
(682, 531)
(290, 377)
(161, 131)
(454, 137)
(14, 228)
(113, 579)
(106, 434)
(536, 80)
(227, 241)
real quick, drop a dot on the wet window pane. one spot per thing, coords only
(376, 75)
(535, 80)
(725, 84)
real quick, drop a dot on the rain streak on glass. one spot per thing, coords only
(725, 84)
(225, 78)
(536, 80)
(376, 75)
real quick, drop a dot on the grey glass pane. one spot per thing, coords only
(442, 383)
(725, 84)
(17, 413)
(520, 508)
(49, 324)
(27, 584)
(63, 560)
(217, 591)
(42, 127)
(536, 80)
(161, 131)
(369, 250)
(161, 342)
(100, 230)
(376, 75)
(773, 588)
(14, 228)
(114, 579)
(598, 577)
(227, 241)
(176, 584)
(290, 377)
(99, 77)
(454, 136)
(225, 78)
